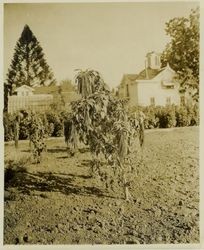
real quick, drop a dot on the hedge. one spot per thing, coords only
(169, 116)
(155, 117)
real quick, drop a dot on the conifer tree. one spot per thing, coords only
(28, 65)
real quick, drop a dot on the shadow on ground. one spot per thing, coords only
(56, 150)
(26, 182)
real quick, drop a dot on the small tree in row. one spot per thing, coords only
(37, 130)
(100, 121)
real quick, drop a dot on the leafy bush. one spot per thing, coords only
(151, 120)
(155, 117)
(52, 122)
(182, 117)
(166, 116)
(24, 124)
(187, 116)
(8, 127)
(170, 116)
(55, 121)
(194, 113)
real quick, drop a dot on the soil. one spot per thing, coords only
(59, 202)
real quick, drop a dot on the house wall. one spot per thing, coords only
(133, 94)
(121, 92)
(24, 92)
(150, 89)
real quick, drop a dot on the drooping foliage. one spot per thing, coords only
(100, 121)
(89, 82)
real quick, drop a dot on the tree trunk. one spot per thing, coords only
(16, 133)
(27, 66)
(126, 190)
(125, 184)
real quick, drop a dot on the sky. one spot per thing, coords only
(112, 38)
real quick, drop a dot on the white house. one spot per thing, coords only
(152, 86)
(41, 98)
(24, 90)
(25, 98)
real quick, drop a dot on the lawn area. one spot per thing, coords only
(59, 202)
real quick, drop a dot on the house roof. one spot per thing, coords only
(24, 87)
(131, 77)
(128, 77)
(52, 89)
(148, 74)
(145, 74)
(46, 89)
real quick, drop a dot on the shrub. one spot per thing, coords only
(182, 117)
(169, 116)
(8, 127)
(52, 122)
(187, 115)
(166, 116)
(55, 121)
(23, 132)
(151, 120)
(194, 113)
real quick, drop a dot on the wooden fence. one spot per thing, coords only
(40, 102)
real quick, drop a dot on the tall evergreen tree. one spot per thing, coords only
(28, 65)
(6, 90)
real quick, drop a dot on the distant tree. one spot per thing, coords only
(28, 65)
(62, 101)
(6, 91)
(182, 52)
(67, 83)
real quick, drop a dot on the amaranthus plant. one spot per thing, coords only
(100, 121)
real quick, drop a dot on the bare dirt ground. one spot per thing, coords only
(58, 202)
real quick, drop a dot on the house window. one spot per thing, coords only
(152, 101)
(169, 86)
(182, 100)
(127, 90)
(168, 100)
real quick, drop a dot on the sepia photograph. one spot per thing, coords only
(101, 123)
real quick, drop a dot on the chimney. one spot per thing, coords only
(153, 60)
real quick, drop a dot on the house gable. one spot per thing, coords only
(166, 74)
(24, 90)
